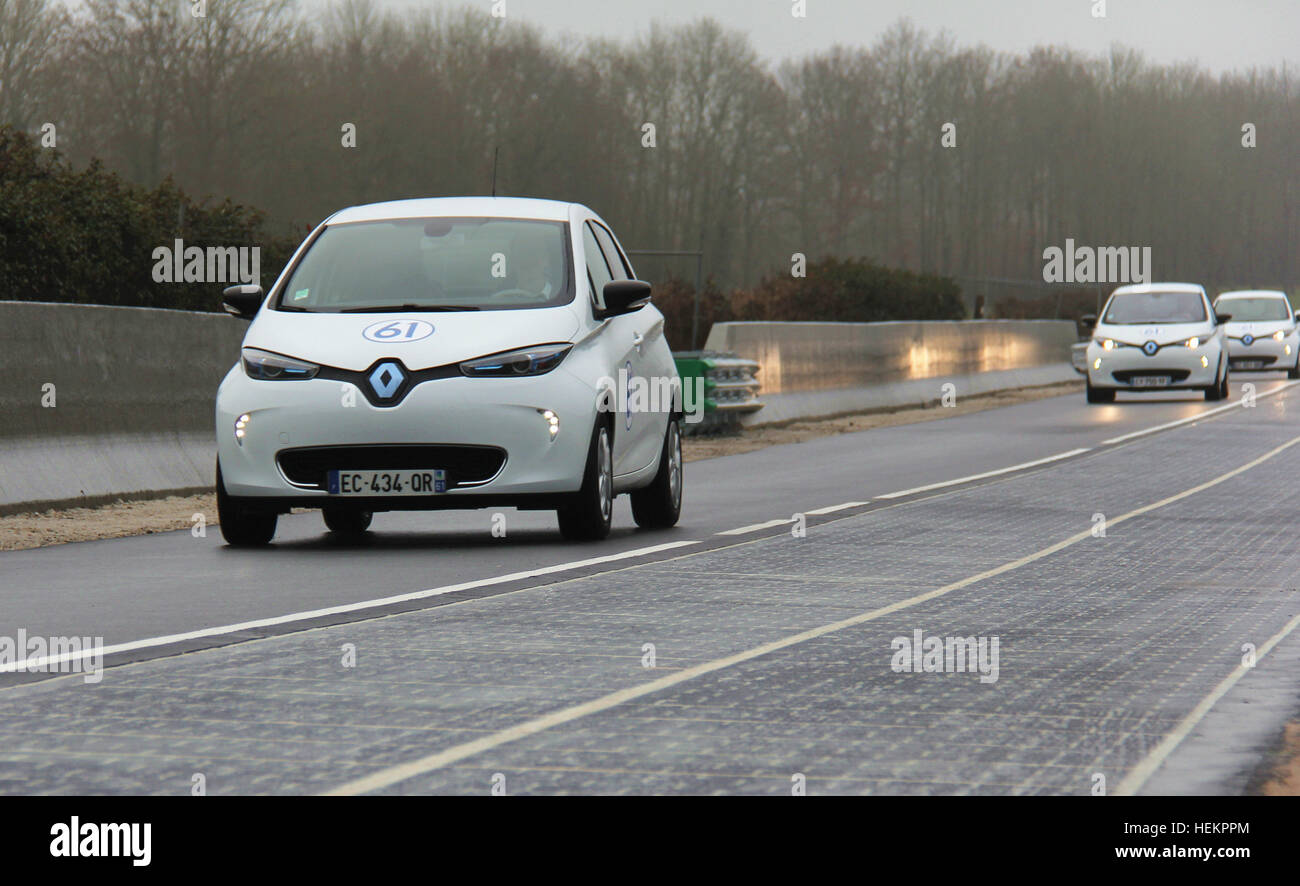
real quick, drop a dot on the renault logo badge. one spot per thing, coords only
(1150, 348)
(387, 379)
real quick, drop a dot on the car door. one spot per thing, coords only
(645, 429)
(617, 344)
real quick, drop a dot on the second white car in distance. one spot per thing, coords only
(1262, 334)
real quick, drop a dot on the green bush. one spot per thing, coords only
(89, 237)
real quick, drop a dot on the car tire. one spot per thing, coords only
(1294, 371)
(1219, 390)
(589, 514)
(243, 525)
(1099, 395)
(659, 505)
(346, 521)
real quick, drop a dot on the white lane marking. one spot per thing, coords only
(403, 771)
(756, 527)
(998, 472)
(1200, 415)
(44, 661)
(833, 508)
(1138, 776)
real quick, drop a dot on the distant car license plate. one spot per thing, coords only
(417, 482)
(1250, 364)
(1151, 381)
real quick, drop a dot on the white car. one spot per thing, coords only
(1262, 334)
(450, 353)
(1157, 336)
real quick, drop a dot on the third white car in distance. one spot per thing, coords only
(450, 353)
(1157, 336)
(1262, 334)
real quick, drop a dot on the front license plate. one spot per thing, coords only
(1250, 364)
(416, 482)
(1151, 381)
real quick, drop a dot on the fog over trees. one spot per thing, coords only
(838, 153)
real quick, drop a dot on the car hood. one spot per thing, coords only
(1160, 333)
(339, 340)
(1257, 328)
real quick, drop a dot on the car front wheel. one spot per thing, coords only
(243, 525)
(658, 505)
(589, 515)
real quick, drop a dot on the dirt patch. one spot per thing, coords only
(123, 518)
(1284, 780)
(127, 518)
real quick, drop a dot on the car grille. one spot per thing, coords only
(1126, 376)
(1262, 359)
(465, 465)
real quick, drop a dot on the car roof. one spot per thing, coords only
(457, 207)
(1254, 293)
(1160, 287)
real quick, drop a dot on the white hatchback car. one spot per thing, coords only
(1157, 336)
(450, 353)
(1262, 334)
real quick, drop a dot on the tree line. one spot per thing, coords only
(912, 152)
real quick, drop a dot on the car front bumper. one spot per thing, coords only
(1122, 368)
(499, 413)
(1272, 354)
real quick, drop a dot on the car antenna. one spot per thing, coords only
(496, 153)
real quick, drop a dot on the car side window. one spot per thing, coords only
(615, 258)
(597, 268)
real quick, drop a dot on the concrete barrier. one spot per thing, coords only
(99, 403)
(815, 370)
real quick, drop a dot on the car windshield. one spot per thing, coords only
(432, 264)
(1253, 310)
(1155, 307)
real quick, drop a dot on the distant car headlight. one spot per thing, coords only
(1193, 342)
(266, 366)
(537, 360)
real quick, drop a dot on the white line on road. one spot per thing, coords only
(757, 526)
(44, 661)
(395, 774)
(1020, 467)
(1200, 415)
(833, 508)
(1139, 774)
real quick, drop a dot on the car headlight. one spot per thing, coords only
(1193, 342)
(1279, 335)
(266, 366)
(1106, 343)
(537, 360)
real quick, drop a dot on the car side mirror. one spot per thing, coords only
(1222, 318)
(1297, 316)
(624, 297)
(1087, 323)
(242, 301)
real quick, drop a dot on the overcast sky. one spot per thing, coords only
(1220, 34)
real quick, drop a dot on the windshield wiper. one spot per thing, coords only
(388, 309)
